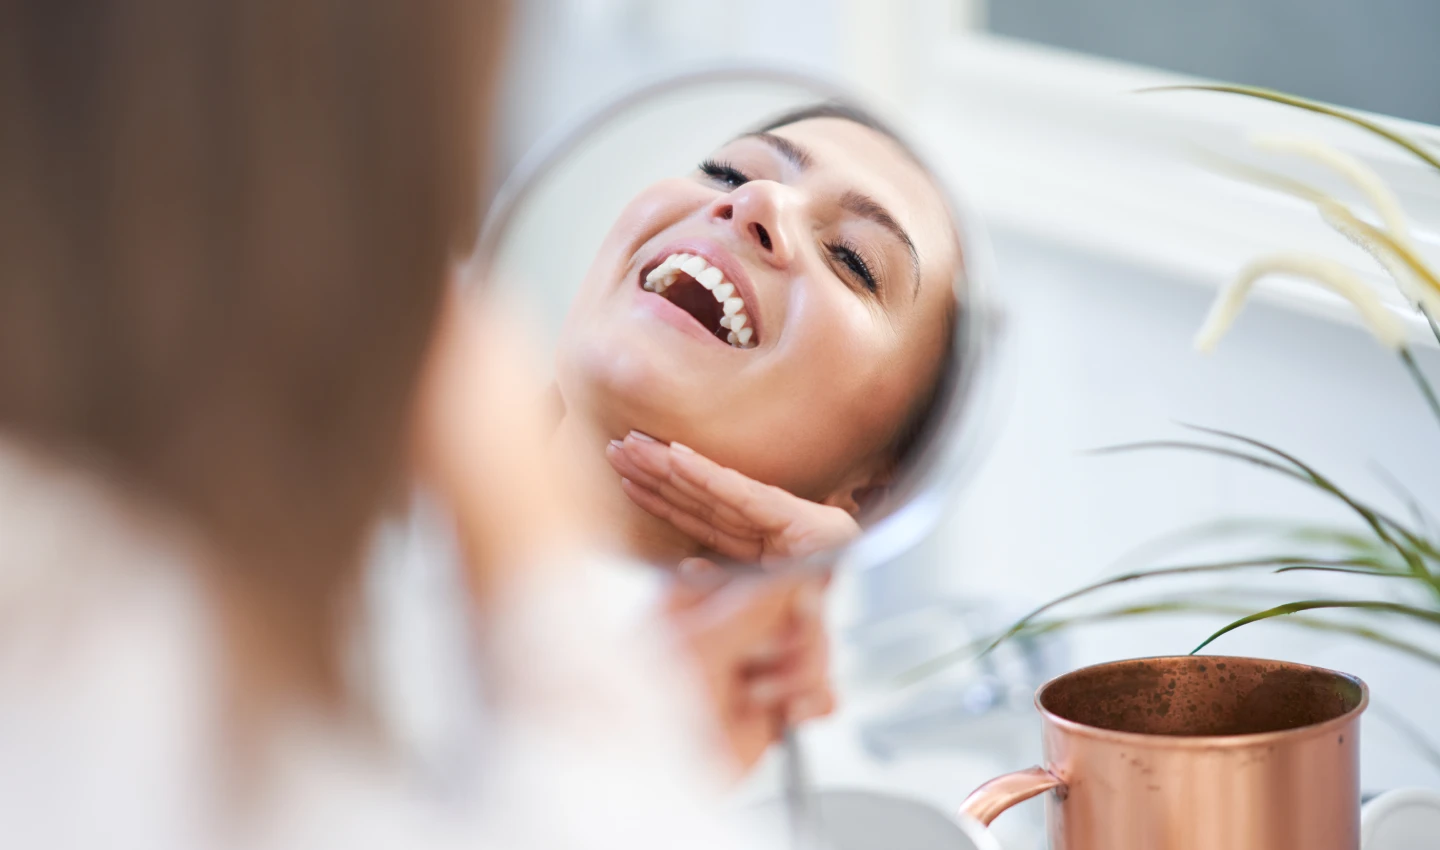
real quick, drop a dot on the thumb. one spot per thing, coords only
(745, 615)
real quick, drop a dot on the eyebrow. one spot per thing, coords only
(868, 208)
(853, 202)
(798, 156)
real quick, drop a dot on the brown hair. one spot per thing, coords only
(224, 235)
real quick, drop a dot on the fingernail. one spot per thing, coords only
(692, 567)
(617, 444)
(682, 448)
(644, 438)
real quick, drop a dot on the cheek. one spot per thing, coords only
(641, 221)
(833, 390)
(649, 213)
(844, 345)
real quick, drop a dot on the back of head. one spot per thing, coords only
(224, 233)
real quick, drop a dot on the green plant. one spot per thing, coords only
(1400, 555)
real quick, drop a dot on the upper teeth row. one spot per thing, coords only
(735, 320)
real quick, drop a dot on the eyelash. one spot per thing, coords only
(723, 172)
(843, 252)
(849, 256)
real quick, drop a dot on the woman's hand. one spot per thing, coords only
(760, 646)
(723, 510)
(479, 445)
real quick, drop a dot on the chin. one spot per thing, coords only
(626, 383)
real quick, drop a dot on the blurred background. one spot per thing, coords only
(1110, 243)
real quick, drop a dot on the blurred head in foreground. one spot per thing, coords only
(225, 230)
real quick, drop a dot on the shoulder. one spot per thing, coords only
(105, 659)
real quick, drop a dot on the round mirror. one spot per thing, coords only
(752, 268)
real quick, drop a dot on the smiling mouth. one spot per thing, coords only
(692, 284)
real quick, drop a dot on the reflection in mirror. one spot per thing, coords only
(759, 311)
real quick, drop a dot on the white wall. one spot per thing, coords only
(1101, 355)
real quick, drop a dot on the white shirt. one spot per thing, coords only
(110, 683)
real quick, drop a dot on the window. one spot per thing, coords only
(1376, 56)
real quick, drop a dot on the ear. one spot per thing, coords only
(863, 490)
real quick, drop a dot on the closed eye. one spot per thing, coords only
(724, 173)
(850, 258)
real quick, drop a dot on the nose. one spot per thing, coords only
(760, 212)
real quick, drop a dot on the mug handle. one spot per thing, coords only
(1406, 817)
(987, 802)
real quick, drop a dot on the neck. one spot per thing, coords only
(582, 443)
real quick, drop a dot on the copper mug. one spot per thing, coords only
(1194, 753)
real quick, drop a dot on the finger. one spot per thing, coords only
(638, 461)
(705, 533)
(749, 618)
(762, 505)
(750, 735)
(810, 706)
(799, 674)
(657, 459)
(810, 605)
(808, 697)
(626, 467)
(696, 580)
(625, 463)
(805, 635)
(802, 666)
(653, 460)
(777, 514)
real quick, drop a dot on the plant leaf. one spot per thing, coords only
(1374, 518)
(975, 649)
(1380, 320)
(1189, 569)
(1313, 106)
(1297, 621)
(1352, 570)
(1394, 254)
(1190, 445)
(1421, 381)
(1418, 514)
(1432, 617)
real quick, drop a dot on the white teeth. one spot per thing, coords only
(735, 321)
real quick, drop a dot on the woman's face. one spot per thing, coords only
(841, 254)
